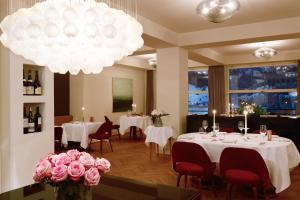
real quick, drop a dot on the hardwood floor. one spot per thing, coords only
(131, 159)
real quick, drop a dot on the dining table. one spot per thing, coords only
(109, 188)
(280, 154)
(79, 132)
(133, 121)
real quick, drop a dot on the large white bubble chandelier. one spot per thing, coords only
(217, 10)
(72, 35)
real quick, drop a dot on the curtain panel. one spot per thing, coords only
(216, 90)
(149, 93)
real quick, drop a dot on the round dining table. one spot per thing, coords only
(280, 154)
(133, 121)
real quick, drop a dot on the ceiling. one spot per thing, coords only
(180, 15)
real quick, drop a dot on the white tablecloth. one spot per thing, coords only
(158, 135)
(139, 121)
(79, 132)
(280, 154)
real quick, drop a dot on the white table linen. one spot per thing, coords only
(280, 154)
(139, 121)
(158, 135)
(79, 132)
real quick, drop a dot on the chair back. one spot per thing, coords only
(244, 159)
(105, 128)
(107, 119)
(193, 153)
(226, 129)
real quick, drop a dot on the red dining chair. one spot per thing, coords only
(190, 159)
(227, 130)
(244, 167)
(114, 126)
(58, 131)
(103, 133)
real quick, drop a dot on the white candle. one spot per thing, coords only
(83, 109)
(133, 108)
(214, 120)
(245, 113)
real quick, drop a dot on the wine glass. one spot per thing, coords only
(263, 130)
(241, 126)
(217, 127)
(204, 125)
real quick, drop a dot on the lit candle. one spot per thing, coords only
(246, 113)
(83, 109)
(214, 120)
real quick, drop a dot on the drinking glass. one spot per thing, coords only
(217, 127)
(263, 130)
(204, 125)
(241, 126)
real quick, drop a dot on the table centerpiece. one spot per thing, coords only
(156, 117)
(71, 173)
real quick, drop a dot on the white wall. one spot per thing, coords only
(94, 92)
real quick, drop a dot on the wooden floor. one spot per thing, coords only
(131, 159)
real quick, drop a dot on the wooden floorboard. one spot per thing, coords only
(131, 159)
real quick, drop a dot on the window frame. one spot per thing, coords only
(255, 65)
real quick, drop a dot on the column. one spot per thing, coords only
(172, 85)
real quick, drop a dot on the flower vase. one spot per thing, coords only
(157, 122)
(73, 191)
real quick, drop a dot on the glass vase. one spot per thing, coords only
(157, 122)
(73, 191)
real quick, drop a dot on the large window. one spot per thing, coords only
(198, 92)
(273, 87)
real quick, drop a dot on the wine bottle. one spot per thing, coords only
(25, 121)
(24, 84)
(30, 121)
(37, 84)
(38, 120)
(30, 85)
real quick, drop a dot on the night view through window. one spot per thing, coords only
(198, 92)
(271, 87)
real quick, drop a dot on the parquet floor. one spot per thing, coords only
(131, 159)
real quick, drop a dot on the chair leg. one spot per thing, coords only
(213, 186)
(101, 144)
(228, 191)
(110, 145)
(119, 134)
(254, 189)
(178, 179)
(185, 180)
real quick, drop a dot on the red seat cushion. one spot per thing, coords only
(189, 168)
(242, 177)
(99, 136)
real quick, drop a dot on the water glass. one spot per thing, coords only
(217, 127)
(204, 125)
(241, 126)
(263, 130)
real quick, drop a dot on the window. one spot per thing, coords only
(273, 87)
(198, 92)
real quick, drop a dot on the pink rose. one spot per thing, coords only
(76, 170)
(103, 165)
(43, 170)
(59, 173)
(74, 154)
(62, 159)
(87, 160)
(92, 177)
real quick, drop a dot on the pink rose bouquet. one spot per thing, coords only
(72, 166)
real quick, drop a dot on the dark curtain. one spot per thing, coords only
(61, 94)
(149, 93)
(216, 89)
(298, 88)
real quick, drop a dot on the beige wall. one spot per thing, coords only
(94, 92)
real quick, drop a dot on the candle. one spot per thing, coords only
(214, 120)
(246, 113)
(133, 108)
(83, 109)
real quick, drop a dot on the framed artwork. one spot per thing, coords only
(122, 94)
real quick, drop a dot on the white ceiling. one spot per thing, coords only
(279, 45)
(180, 15)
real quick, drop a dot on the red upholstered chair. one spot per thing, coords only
(227, 130)
(244, 167)
(103, 133)
(190, 159)
(115, 126)
(58, 131)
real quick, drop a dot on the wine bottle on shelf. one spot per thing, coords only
(30, 121)
(37, 84)
(24, 84)
(25, 121)
(38, 120)
(30, 84)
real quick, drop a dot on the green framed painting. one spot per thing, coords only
(122, 94)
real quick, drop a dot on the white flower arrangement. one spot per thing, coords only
(157, 112)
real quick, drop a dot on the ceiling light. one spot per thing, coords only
(265, 52)
(71, 36)
(217, 10)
